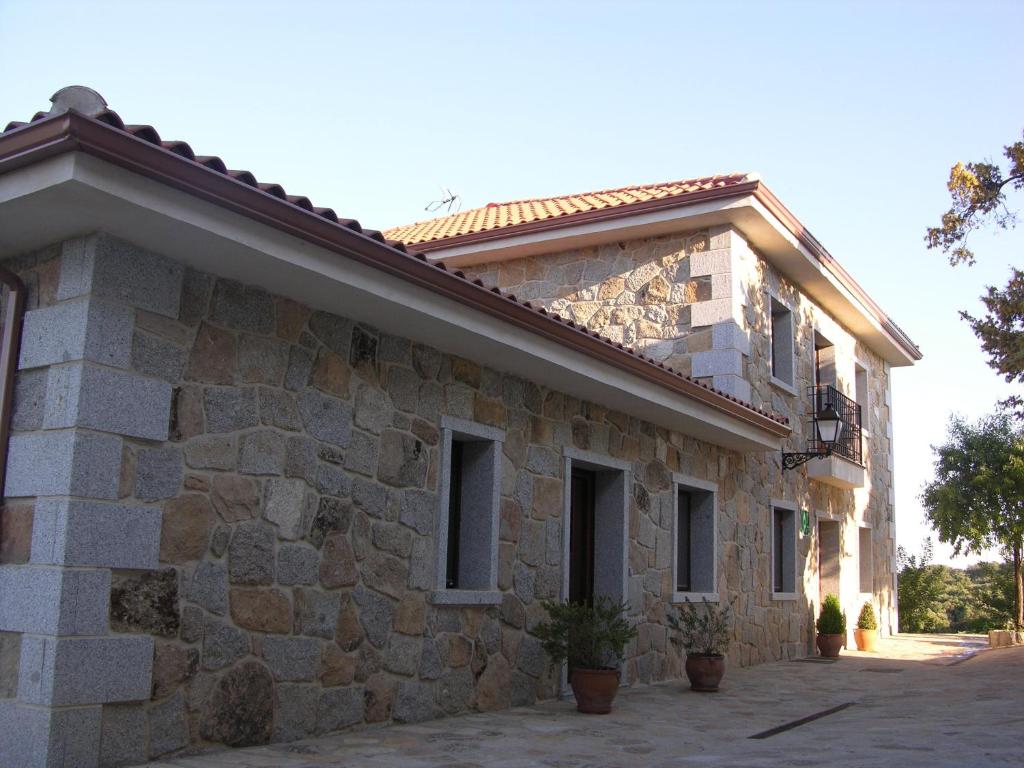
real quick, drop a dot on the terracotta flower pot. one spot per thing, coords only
(705, 672)
(595, 689)
(866, 639)
(830, 645)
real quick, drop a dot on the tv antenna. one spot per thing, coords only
(448, 200)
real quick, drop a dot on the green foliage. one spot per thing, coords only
(936, 598)
(920, 590)
(978, 192)
(978, 200)
(702, 631)
(587, 636)
(1001, 330)
(977, 498)
(992, 597)
(867, 619)
(831, 620)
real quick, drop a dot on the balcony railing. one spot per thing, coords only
(849, 444)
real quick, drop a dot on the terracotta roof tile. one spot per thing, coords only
(500, 215)
(480, 218)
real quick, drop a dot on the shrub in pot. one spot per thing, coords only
(866, 632)
(703, 632)
(592, 639)
(831, 627)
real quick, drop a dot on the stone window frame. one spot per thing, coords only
(452, 428)
(600, 463)
(687, 482)
(773, 300)
(861, 366)
(794, 510)
(818, 333)
(869, 529)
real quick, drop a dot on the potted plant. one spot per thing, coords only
(592, 639)
(866, 632)
(704, 635)
(831, 627)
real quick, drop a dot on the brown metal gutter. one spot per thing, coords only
(73, 131)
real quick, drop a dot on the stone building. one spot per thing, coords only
(270, 475)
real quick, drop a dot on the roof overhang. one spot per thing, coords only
(750, 207)
(66, 191)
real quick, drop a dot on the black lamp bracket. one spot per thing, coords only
(794, 460)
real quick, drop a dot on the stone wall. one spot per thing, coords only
(268, 516)
(700, 302)
(871, 505)
(671, 297)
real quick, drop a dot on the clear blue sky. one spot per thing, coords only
(852, 113)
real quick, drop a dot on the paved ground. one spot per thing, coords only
(920, 701)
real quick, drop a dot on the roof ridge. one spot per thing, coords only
(609, 190)
(740, 175)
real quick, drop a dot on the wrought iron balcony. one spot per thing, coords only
(849, 443)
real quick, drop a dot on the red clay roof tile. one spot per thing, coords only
(522, 209)
(501, 215)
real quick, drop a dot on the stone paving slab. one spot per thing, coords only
(939, 701)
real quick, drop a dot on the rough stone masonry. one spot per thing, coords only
(220, 515)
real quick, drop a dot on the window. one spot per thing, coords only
(867, 574)
(783, 551)
(595, 527)
(861, 392)
(467, 541)
(782, 342)
(824, 361)
(695, 539)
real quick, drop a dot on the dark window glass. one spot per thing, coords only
(581, 537)
(454, 516)
(684, 527)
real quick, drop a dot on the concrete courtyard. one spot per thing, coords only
(935, 700)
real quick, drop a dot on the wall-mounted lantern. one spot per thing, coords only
(829, 427)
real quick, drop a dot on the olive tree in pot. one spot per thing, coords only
(867, 628)
(703, 632)
(831, 626)
(592, 639)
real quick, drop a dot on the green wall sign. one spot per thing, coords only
(805, 522)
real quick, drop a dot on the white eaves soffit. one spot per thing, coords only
(73, 194)
(744, 211)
